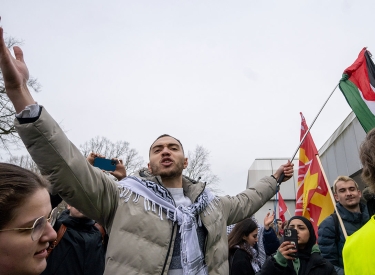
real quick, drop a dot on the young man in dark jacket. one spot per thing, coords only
(354, 215)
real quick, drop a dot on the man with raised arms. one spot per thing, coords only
(158, 221)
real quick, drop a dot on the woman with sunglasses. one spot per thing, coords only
(25, 221)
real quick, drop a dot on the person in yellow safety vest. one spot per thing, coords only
(359, 248)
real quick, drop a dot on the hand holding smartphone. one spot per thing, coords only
(105, 164)
(290, 235)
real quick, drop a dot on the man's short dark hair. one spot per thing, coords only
(166, 135)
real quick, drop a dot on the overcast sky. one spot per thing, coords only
(231, 76)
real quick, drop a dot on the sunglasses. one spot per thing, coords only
(39, 225)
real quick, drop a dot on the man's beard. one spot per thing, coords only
(175, 172)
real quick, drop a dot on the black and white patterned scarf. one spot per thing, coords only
(192, 258)
(258, 257)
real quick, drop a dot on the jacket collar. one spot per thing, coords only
(76, 223)
(192, 189)
(351, 216)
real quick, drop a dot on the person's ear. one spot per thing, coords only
(149, 168)
(186, 162)
(336, 197)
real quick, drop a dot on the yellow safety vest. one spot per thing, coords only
(359, 250)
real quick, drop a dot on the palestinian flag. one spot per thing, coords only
(358, 87)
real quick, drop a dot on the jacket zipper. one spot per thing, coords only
(205, 241)
(170, 240)
(169, 249)
(173, 226)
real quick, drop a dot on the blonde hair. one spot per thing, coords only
(344, 179)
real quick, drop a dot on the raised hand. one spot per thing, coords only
(90, 158)
(15, 75)
(120, 171)
(287, 169)
(268, 220)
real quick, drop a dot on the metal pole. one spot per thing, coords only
(281, 178)
(308, 130)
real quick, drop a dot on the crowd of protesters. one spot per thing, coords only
(157, 221)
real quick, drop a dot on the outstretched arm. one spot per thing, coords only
(248, 202)
(15, 75)
(81, 185)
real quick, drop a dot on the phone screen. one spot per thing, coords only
(105, 164)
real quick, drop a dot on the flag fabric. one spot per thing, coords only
(358, 86)
(282, 208)
(313, 200)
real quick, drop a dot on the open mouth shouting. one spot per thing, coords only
(166, 162)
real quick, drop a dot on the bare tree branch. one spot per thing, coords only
(119, 149)
(199, 168)
(24, 161)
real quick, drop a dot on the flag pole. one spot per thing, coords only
(332, 198)
(281, 178)
(288, 212)
(308, 130)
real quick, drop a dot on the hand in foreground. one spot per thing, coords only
(15, 75)
(268, 220)
(287, 248)
(91, 157)
(120, 172)
(287, 169)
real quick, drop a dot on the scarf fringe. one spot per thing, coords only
(192, 259)
(148, 204)
(170, 214)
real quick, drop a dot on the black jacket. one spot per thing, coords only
(80, 250)
(270, 241)
(241, 263)
(315, 266)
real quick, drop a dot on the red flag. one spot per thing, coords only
(313, 200)
(282, 208)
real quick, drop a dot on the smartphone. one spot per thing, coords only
(105, 164)
(290, 234)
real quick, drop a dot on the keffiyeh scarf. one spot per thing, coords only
(258, 257)
(192, 259)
